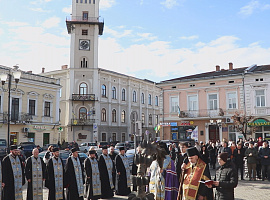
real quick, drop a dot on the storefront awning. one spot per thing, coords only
(259, 122)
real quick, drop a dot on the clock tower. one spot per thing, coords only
(84, 25)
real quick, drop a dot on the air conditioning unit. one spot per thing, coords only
(229, 120)
(25, 130)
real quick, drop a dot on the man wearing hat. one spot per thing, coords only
(251, 154)
(74, 176)
(196, 170)
(123, 181)
(92, 179)
(226, 178)
(55, 176)
(13, 176)
(105, 166)
(35, 175)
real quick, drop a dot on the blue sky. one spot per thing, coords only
(148, 39)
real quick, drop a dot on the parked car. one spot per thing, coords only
(113, 143)
(84, 147)
(103, 143)
(130, 155)
(125, 144)
(118, 145)
(3, 148)
(46, 146)
(27, 148)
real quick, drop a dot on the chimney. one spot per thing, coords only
(230, 66)
(43, 69)
(217, 68)
(64, 66)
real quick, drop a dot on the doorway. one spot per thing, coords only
(213, 133)
(46, 138)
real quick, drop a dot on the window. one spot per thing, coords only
(113, 93)
(212, 83)
(94, 1)
(84, 32)
(230, 81)
(123, 137)
(32, 107)
(103, 92)
(103, 115)
(47, 109)
(83, 89)
(103, 137)
(113, 136)
(149, 99)
(142, 98)
(15, 109)
(89, 1)
(85, 1)
(231, 98)
(156, 101)
(260, 98)
(123, 116)
(192, 102)
(123, 94)
(85, 15)
(84, 63)
(212, 101)
(134, 96)
(150, 119)
(113, 115)
(83, 113)
(174, 104)
(81, 1)
(143, 118)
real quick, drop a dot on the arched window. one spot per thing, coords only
(149, 99)
(113, 92)
(84, 63)
(156, 101)
(123, 116)
(142, 98)
(103, 115)
(113, 115)
(103, 90)
(83, 89)
(134, 96)
(83, 113)
(150, 120)
(123, 94)
(143, 118)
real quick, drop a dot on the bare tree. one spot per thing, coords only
(241, 123)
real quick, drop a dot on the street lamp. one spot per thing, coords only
(3, 77)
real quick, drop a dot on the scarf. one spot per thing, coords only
(95, 177)
(126, 164)
(109, 166)
(78, 175)
(58, 178)
(17, 174)
(37, 186)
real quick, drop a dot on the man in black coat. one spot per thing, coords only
(13, 172)
(264, 154)
(112, 155)
(35, 175)
(55, 177)
(238, 158)
(74, 178)
(225, 148)
(226, 179)
(181, 158)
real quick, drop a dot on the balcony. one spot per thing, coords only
(82, 122)
(262, 111)
(16, 118)
(207, 113)
(71, 20)
(83, 97)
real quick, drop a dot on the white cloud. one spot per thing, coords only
(39, 10)
(192, 37)
(14, 24)
(145, 36)
(117, 34)
(105, 4)
(158, 60)
(67, 10)
(51, 22)
(249, 8)
(1, 31)
(169, 3)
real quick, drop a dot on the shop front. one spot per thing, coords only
(183, 130)
(262, 128)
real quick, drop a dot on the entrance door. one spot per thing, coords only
(213, 133)
(31, 137)
(46, 138)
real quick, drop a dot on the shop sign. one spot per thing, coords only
(259, 122)
(185, 123)
(40, 128)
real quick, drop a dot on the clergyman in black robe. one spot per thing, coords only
(74, 177)
(35, 169)
(112, 155)
(9, 192)
(55, 177)
(92, 179)
(105, 166)
(123, 181)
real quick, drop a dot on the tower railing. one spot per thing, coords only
(84, 19)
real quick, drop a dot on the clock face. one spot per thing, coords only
(84, 45)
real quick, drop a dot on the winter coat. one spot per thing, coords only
(225, 149)
(251, 159)
(228, 180)
(264, 152)
(239, 158)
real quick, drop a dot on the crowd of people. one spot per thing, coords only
(98, 177)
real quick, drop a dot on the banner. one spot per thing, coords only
(194, 134)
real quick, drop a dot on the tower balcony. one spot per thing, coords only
(72, 20)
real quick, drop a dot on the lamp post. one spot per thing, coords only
(3, 77)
